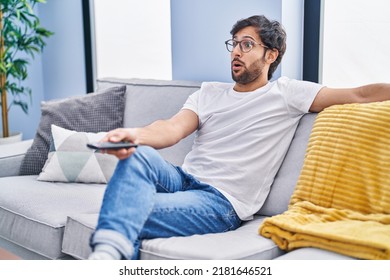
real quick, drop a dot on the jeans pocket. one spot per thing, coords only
(232, 221)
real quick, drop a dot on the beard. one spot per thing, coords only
(250, 74)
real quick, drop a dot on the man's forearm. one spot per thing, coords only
(374, 92)
(160, 134)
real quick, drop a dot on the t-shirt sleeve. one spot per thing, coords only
(192, 102)
(299, 95)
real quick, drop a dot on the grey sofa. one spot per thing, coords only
(53, 220)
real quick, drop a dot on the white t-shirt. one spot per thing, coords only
(243, 138)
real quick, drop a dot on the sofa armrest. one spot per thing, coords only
(11, 156)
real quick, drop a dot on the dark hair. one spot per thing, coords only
(271, 33)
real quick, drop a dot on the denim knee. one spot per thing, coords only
(147, 154)
(144, 157)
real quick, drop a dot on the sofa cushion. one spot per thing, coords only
(33, 213)
(144, 101)
(78, 231)
(238, 244)
(243, 243)
(70, 160)
(312, 254)
(101, 111)
(287, 176)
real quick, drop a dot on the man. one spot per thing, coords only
(243, 133)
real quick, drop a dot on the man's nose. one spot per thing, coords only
(236, 51)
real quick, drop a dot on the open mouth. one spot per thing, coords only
(237, 65)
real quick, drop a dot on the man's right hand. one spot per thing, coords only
(118, 135)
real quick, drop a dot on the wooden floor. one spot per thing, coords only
(5, 255)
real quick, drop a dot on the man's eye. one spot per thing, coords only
(247, 44)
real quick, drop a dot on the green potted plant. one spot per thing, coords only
(21, 37)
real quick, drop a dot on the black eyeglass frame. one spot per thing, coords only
(231, 42)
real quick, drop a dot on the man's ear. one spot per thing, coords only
(272, 55)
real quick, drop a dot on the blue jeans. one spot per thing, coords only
(148, 197)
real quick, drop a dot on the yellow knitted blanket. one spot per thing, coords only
(342, 198)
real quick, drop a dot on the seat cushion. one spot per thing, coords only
(312, 254)
(78, 230)
(240, 244)
(243, 243)
(33, 213)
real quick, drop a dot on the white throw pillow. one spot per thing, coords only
(70, 160)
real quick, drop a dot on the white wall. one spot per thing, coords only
(356, 42)
(133, 39)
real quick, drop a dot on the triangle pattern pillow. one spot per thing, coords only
(70, 160)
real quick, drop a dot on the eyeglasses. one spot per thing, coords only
(245, 45)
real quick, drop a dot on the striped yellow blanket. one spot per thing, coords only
(342, 198)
